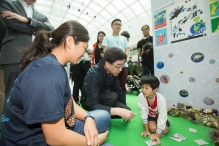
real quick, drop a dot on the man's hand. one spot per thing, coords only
(11, 15)
(126, 114)
(47, 23)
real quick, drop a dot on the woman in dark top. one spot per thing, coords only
(96, 55)
(40, 110)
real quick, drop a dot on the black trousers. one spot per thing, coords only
(79, 72)
(11, 72)
(111, 99)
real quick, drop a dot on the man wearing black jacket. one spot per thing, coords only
(101, 89)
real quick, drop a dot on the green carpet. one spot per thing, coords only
(128, 134)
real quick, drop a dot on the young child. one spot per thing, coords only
(153, 109)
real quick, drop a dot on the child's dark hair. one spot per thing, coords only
(150, 80)
(113, 54)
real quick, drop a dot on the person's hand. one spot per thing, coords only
(155, 137)
(149, 43)
(147, 52)
(103, 137)
(126, 114)
(91, 133)
(145, 134)
(11, 15)
(47, 23)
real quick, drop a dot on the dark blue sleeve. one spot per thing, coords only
(44, 95)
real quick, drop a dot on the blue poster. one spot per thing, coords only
(161, 37)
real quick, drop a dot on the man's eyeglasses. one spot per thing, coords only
(118, 24)
(118, 67)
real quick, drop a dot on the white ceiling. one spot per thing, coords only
(97, 15)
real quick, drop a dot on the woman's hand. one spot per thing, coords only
(103, 137)
(91, 133)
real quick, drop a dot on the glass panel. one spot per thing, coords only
(136, 8)
(45, 2)
(94, 7)
(55, 18)
(74, 12)
(111, 9)
(58, 13)
(119, 4)
(42, 9)
(102, 4)
(86, 17)
(105, 15)
(144, 19)
(128, 14)
(120, 16)
(70, 17)
(129, 2)
(146, 4)
(136, 22)
(82, 22)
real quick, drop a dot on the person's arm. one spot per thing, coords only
(56, 133)
(162, 117)
(105, 44)
(42, 23)
(144, 114)
(124, 113)
(18, 22)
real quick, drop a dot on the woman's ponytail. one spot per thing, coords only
(40, 47)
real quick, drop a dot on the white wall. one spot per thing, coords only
(199, 79)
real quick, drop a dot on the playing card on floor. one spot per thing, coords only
(178, 137)
(151, 143)
(201, 142)
(193, 130)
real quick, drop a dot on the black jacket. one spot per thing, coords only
(98, 81)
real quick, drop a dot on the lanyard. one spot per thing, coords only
(117, 41)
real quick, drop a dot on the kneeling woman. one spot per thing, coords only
(40, 110)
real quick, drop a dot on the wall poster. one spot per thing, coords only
(187, 20)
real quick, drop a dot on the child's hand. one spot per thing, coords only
(155, 137)
(145, 134)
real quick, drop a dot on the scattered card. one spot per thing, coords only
(178, 137)
(193, 130)
(151, 143)
(200, 142)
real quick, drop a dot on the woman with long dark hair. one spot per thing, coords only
(98, 48)
(40, 109)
